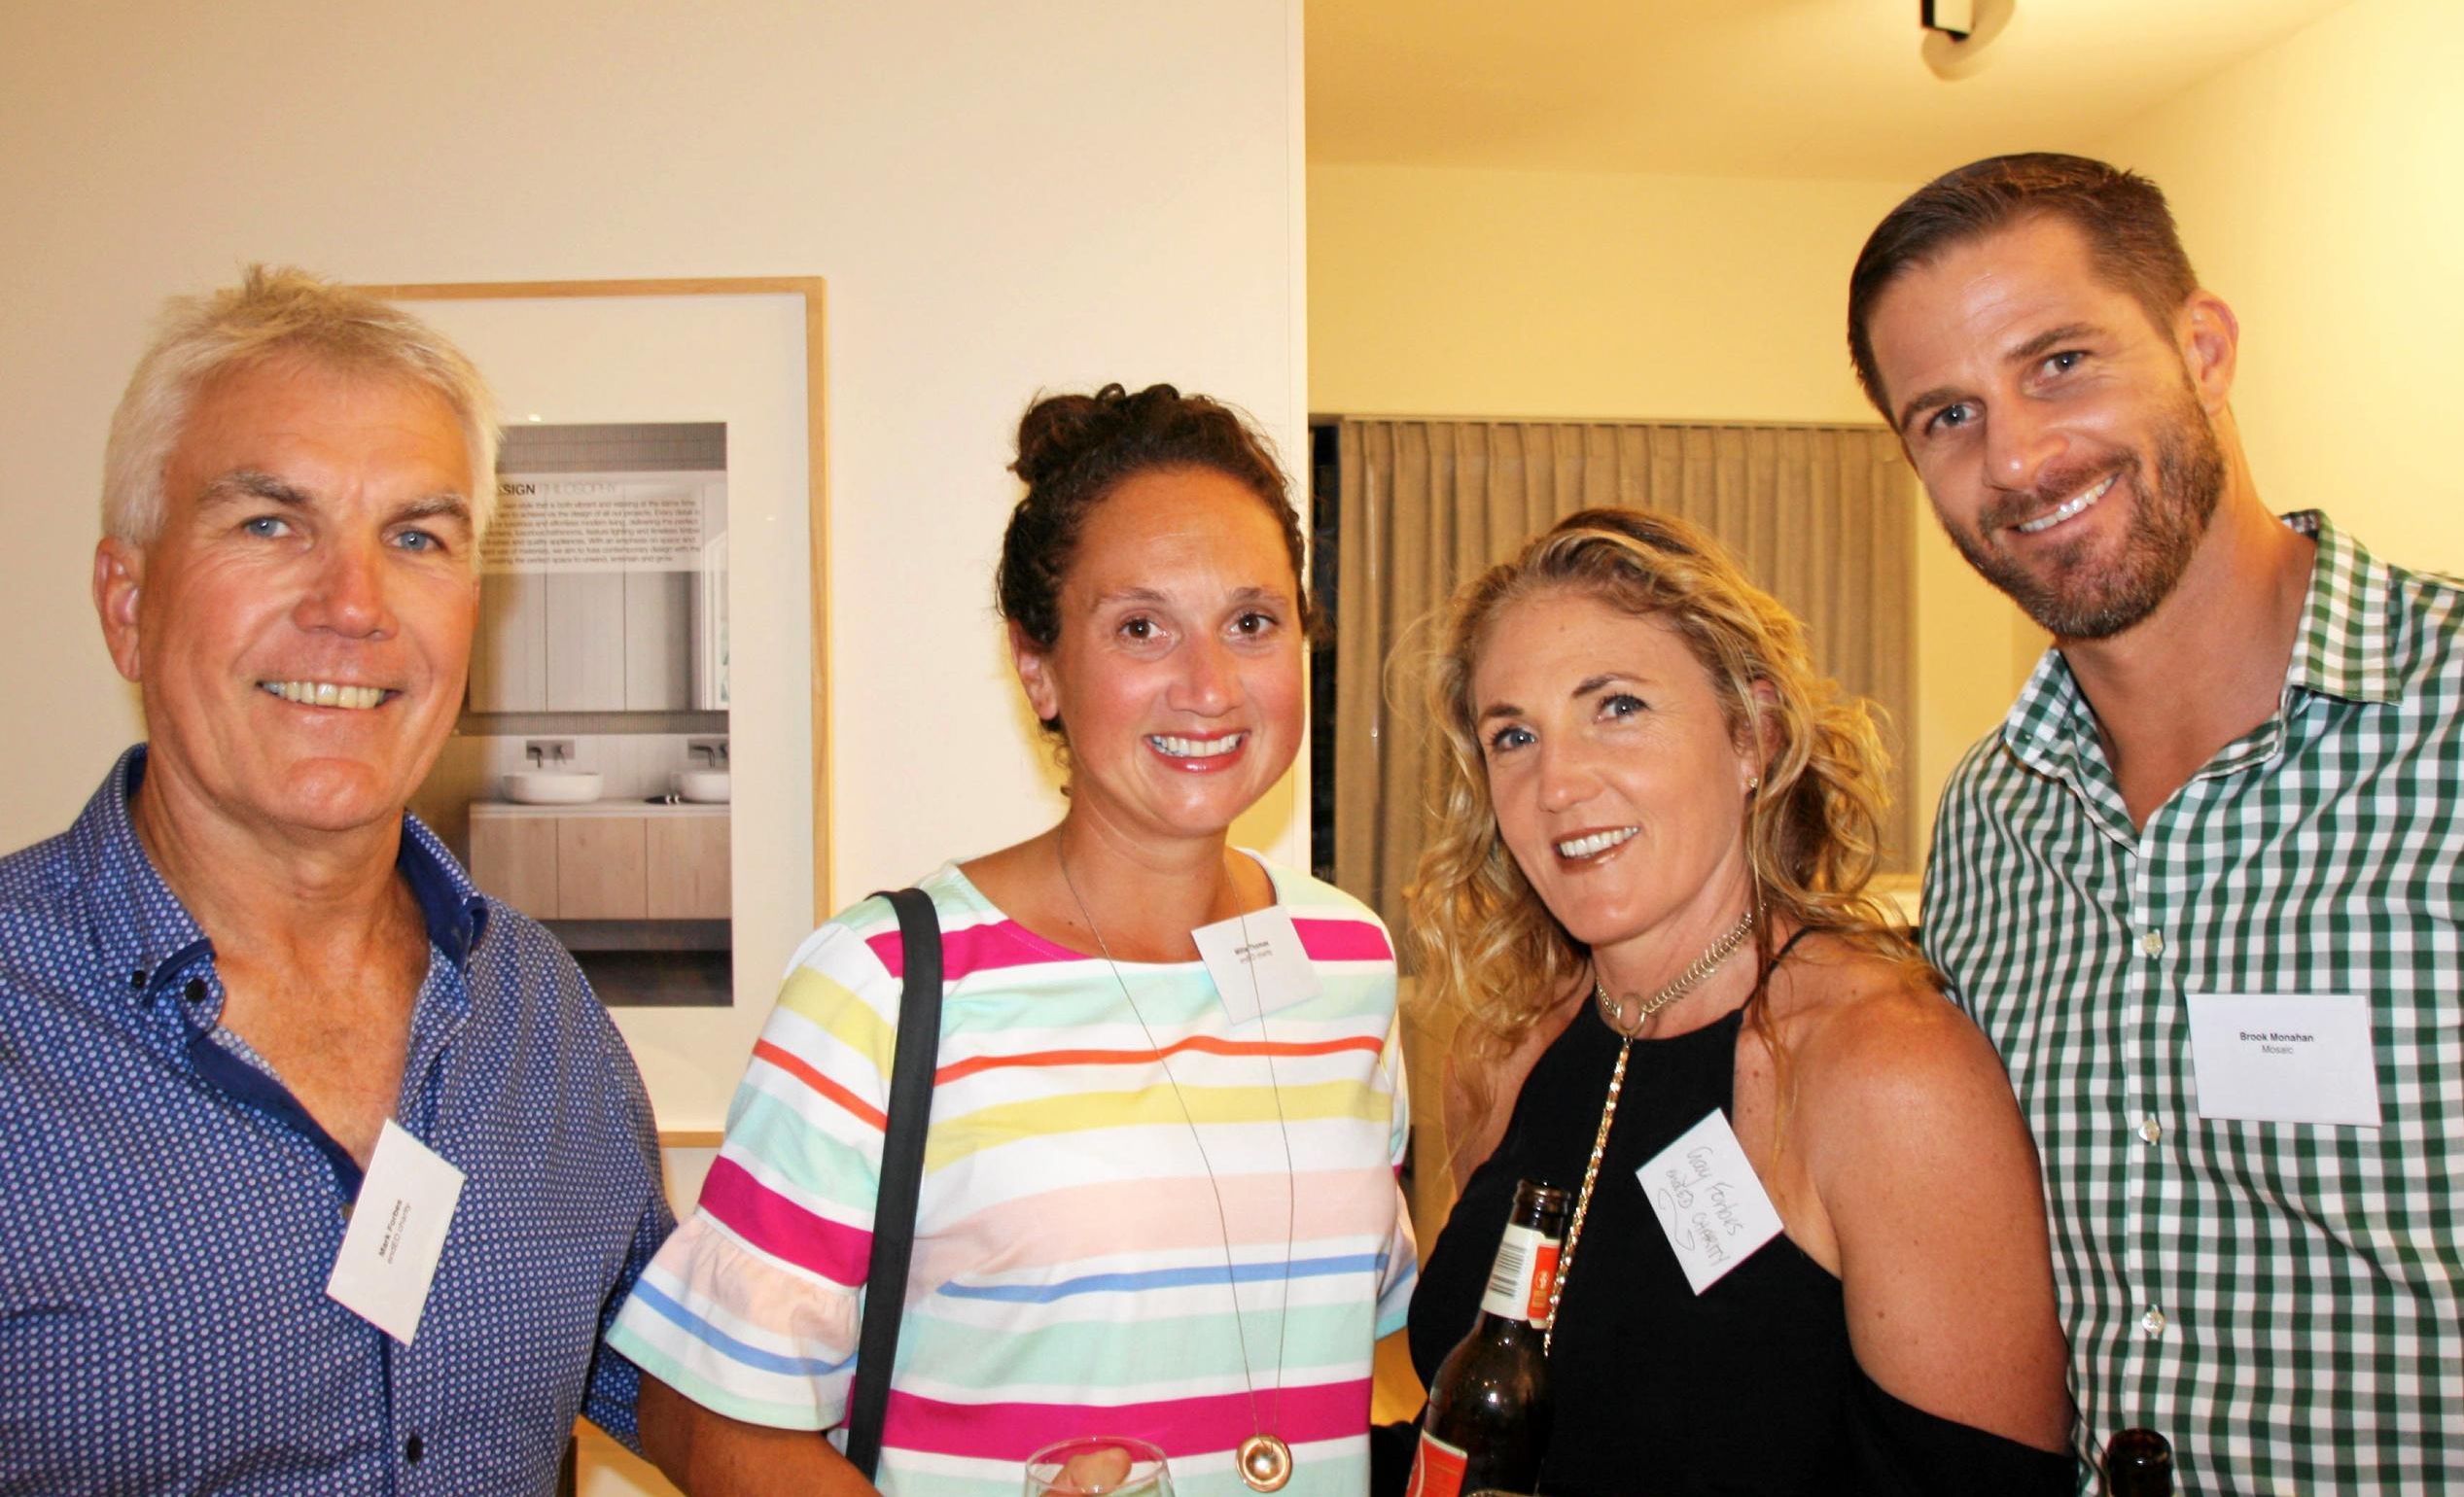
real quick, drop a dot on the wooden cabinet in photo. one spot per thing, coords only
(611, 864)
(687, 861)
(602, 868)
(514, 859)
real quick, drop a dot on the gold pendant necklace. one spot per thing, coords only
(1616, 1015)
(1263, 1460)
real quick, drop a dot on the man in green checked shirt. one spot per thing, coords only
(2202, 889)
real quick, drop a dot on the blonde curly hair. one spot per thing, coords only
(1491, 951)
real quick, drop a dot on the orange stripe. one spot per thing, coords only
(763, 1050)
(1206, 1043)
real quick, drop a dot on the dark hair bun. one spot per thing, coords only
(1060, 431)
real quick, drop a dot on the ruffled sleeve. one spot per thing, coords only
(751, 1308)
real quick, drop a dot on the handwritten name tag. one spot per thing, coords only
(1709, 1201)
(1256, 962)
(397, 1233)
(2284, 1058)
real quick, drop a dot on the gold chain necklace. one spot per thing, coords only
(1264, 1461)
(1614, 1014)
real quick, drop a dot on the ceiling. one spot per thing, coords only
(1831, 89)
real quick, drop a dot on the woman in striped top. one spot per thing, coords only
(1155, 1203)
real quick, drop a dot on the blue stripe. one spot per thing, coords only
(727, 1346)
(1161, 1278)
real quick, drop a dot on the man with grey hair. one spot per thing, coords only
(325, 1171)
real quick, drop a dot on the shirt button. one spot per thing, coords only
(412, 1450)
(137, 979)
(196, 990)
(2151, 1131)
(2153, 1323)
(2153, 943)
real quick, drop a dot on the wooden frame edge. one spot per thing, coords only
(813, 289)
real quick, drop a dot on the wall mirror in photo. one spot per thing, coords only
(636, 764)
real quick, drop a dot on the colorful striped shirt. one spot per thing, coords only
(1072, 1273)
(2283, 1301)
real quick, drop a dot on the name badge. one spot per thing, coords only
(1256, 962)
(2284, 1058)
(397, 1233)
(1709, 1201)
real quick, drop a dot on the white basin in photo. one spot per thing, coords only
(709, 787)
(552, 787)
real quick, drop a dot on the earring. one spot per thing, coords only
(1753, 785)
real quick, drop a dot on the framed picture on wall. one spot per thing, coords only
(642, 760)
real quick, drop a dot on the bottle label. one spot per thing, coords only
(1523, 1277)
(1437, 1468)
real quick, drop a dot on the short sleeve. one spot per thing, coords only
(1401, 1269)
(752, 1309)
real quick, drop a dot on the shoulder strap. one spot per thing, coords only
(910, 1114)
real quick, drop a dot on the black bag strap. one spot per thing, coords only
(910, 1115)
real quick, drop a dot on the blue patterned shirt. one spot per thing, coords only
(172, 1213)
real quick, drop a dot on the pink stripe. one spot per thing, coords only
(1183, 1427)
(1342, 940)
(781, 1228)
(1073, 1223)
(1006, 943)
(976, 949)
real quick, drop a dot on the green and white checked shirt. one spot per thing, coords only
(2285, 1302)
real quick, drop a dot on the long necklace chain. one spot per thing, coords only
(1264, 1461)
(1684, 983)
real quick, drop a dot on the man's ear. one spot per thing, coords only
(120, 570)
(2209, 338)
(1035, 675)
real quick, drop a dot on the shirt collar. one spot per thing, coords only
(2340, 650)
(2343, 649)
(141, 926)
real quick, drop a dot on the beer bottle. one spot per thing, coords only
(1487, 1425)
(2138, 1463)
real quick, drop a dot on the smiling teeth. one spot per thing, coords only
(2068, 508)
(1597, 842)
(325, 693)
(1195, 747)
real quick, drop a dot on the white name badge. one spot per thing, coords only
(397, 1233)
(2284, 1058)
(1256, 962)
(1709, 1201)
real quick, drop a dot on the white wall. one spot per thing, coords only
(2320, 189)
(1002, 198)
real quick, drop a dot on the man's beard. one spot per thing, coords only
(2074, 595)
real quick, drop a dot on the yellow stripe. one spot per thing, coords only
(829, 1006)
(956, 1137)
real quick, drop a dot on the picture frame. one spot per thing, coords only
(748, 352)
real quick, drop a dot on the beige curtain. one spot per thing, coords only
(1822, 516)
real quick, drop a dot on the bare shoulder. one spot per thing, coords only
(1873, 1039)
(1928, 1185)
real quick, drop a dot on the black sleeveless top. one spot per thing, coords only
(1749, 1387)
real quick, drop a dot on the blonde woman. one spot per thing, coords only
(1645, 906)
